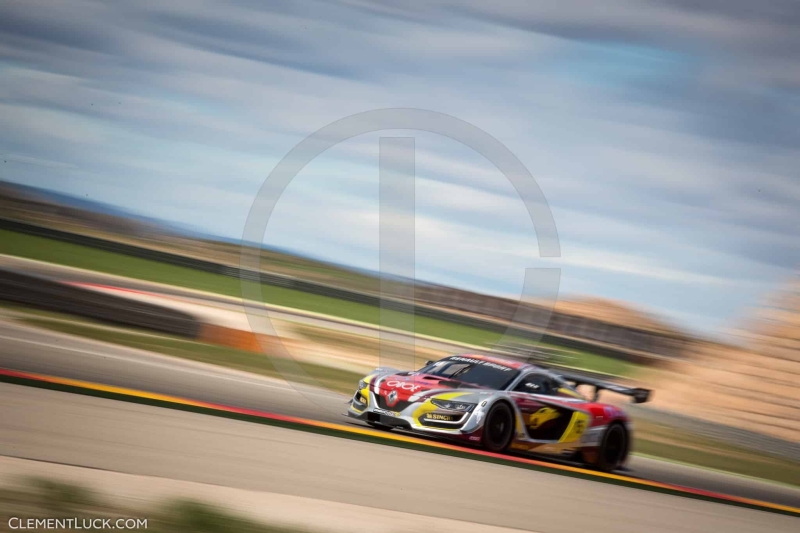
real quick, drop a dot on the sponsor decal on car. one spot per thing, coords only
(545, 414)
(443, 418)
(386, 412)
(404, 385)
(577, 427)
(480, 362)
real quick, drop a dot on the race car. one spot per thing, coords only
(501, 405)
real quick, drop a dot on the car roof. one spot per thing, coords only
(511, 363)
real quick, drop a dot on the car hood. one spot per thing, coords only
(419, 386)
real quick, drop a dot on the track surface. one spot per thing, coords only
(107, 434)
(39, 351)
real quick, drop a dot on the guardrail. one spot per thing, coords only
(485, 323)
(49, 295)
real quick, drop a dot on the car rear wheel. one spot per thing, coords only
(498, 430)
(613, 449)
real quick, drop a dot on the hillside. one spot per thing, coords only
(614, 312)
(753, 387)
(27, 204)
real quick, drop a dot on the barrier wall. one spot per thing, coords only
(49, 295)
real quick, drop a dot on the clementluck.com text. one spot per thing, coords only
(17, 523)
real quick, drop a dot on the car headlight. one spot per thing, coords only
(453, 405)
(362, 384)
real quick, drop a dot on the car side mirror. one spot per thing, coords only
(428, 363)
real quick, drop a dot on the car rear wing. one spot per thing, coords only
(639, 395)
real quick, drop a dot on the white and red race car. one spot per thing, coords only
(500, 405)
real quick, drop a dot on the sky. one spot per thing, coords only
(663, 134)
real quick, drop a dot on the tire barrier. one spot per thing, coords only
(49, 295)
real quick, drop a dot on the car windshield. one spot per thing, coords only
(473, 371)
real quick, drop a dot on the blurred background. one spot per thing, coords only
(662, 134)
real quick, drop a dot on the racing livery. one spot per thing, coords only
(500, 405)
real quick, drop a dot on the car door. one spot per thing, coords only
(547, 415)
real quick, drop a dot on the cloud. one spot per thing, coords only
(637, 266)
(663, 133)
(17, 158)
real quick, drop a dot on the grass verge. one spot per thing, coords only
(43, 498)
(599, 363)
(74, 255)
(53, 251)
(670, 443)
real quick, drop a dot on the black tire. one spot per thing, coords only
(498, 430)
(613, 449)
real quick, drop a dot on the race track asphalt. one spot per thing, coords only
(29, 349)
(64, 428)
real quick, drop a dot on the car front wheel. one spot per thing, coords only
(498, 430)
